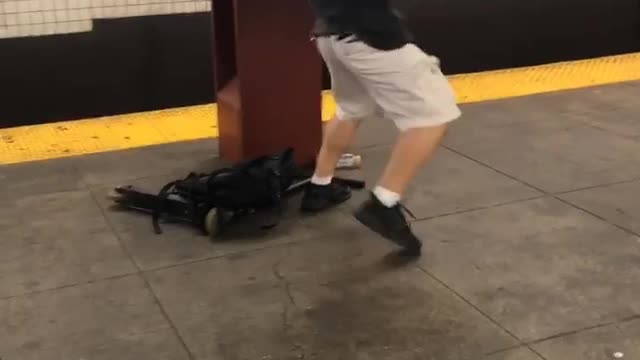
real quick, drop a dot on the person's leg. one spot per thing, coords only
(338, 136)
(383, 213)
(412, 150)
(353, 105)
(409, 87)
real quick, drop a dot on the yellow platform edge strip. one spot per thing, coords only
(81, 137)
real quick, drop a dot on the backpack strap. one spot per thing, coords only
(161, 208)
(276, 197)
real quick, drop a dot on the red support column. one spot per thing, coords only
(268, 79)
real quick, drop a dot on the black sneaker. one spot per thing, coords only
(320, 197)
(390, 223)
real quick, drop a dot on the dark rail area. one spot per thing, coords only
(147, 63)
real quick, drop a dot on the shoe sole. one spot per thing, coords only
(371, 225)
(408, 250)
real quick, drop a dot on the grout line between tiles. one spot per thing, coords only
(557, 196)
(477, 309)
(148, 286)
(68, 286)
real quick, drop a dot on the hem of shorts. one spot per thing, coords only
(339, 116)
(426, 123)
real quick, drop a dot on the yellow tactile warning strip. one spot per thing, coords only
(546, 78)
(48, 141)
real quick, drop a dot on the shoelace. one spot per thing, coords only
(403, 207)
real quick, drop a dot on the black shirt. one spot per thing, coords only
(371, 21)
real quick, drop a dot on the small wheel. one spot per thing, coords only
(119, 201)
(114, 195)
(119, 194)
(213, 222)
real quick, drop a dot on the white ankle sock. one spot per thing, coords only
(387, 198)
(321, 180)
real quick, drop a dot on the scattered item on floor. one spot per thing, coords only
(349, 161)
(211, 200)
(618, 355)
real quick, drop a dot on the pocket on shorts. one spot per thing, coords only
(439, 95)
(434, 79)
(323, 44)
(350, 47)
(417, 57)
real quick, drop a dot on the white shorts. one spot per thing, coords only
(403, 85)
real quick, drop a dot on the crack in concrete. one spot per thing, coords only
(285, 320)
(282, 279)
(286, 286)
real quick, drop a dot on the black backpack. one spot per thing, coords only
(255, 184)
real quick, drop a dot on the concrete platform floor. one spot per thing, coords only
(529, 214)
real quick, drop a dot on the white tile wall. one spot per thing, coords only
(20, 18)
